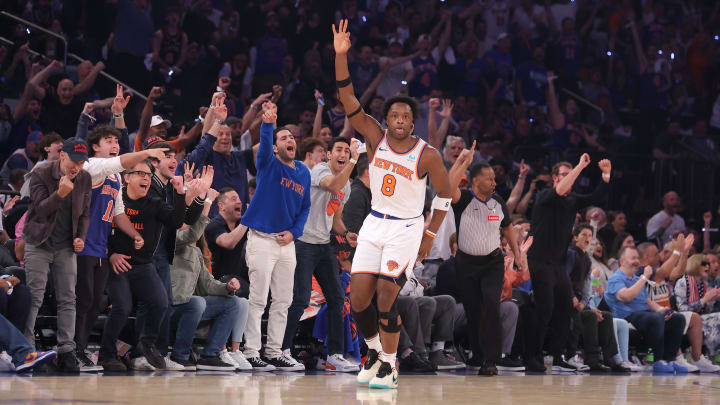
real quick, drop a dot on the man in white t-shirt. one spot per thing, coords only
(329, 191)
(665, 223)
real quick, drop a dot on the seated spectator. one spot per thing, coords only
(616, 223)
(24, 357)
(663, 225)
(197, 296)
(627, 299)
(694, 294)
(14, 301)
(595, 326)
(436, 319)
(411, 344)
(598, 260)
(623, 239)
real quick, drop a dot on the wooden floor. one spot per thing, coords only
(293, 388)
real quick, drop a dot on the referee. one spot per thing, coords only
(480, 217)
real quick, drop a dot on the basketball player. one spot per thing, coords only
(391, 239)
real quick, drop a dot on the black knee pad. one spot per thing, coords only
(393, 326)
(366, 320)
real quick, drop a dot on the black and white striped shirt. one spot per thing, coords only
(478, 223)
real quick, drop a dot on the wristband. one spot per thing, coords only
(606, 176)
(353, 161)
(212, 107)
(677, 252)
(430, 234)
(219, 122)
(116, 116)
(644, 278)
(343, 83)
(200, 119)
(209, 201)
(441, 204)
(218, 88)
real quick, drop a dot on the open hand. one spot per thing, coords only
(341, 38)
(119, 263)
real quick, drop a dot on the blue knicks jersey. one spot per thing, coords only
(102, 208)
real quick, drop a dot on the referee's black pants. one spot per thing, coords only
(553, 302)
(480, 281)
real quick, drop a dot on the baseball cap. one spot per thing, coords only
(157, 120)
(34, 136)
(76, 148)
(151, 140)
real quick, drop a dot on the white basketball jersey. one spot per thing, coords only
(395, 184)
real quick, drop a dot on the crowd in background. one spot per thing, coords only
(531, 83)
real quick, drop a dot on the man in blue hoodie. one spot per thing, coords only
(276, 217)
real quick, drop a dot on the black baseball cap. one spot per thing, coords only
(76, 148)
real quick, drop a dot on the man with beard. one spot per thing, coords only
(55, 231)
(276, 216)
(666, 222)
(215, 149)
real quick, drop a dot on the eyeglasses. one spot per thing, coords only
(141, 173)
(704, 263)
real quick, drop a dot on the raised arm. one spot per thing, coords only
(361, 121)
(89, 81)
(444, 41)
(566, 183)
(555, 116)
(517, 189)
(335, 182)
(317, 124)
(628, 294)
(41, 77)
(146, 116)
(457, 171)
(642, 61)
(365, 97)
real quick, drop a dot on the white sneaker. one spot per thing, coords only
(370, 368)
(680, 360)
(705, 365)
(227, 358)
(141, 364)
(386, 377)
(577, 362)
(171, 365)
(634, 368)
(242, 363)
(288, 357)
(337, 362)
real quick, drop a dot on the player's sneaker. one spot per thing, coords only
(35, 359)
(441, 361)
(370, 368)
(680, 360)
(288, 356)
(386, 377)
(86, 363)
(259, 364)
(337, 362)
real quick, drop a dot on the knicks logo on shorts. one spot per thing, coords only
(392, 265)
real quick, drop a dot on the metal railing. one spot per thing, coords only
(66, 53)
(41, 29)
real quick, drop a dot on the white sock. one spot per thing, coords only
(437, 346)
(389, 357)
(374, 343)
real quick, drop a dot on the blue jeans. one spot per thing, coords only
(162, 266)
(320, 261)
(663, 337)
(13, 342)
(223, 311)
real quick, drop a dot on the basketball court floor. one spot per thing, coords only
(320, 388)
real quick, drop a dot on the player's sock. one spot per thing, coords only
(374, 343)
(389, 357)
